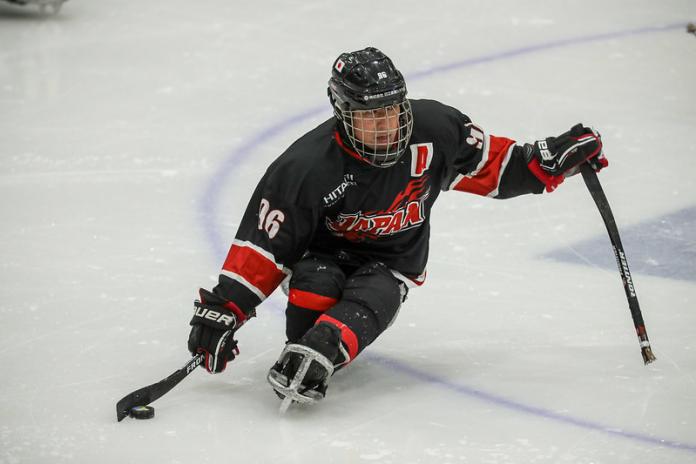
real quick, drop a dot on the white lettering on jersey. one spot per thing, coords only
(340, 191)
(270, 221)
(476, 136)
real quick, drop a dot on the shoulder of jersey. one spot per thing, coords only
(434, 115)
(308, 168)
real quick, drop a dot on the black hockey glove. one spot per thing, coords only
(553, 159)
(213, 326)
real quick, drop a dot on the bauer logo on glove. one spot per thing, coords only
(553, 159)
(213, 326)
(215, 316)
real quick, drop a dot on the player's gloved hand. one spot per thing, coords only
(213, 326)
(553, 159)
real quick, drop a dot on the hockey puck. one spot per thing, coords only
(142, 412)
(691, 28)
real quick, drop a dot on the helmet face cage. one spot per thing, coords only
(368, 95)
(379, 135)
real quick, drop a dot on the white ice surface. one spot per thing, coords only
(118, 118)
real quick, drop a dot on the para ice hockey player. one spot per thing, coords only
(343, 217)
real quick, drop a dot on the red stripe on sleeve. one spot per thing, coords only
(241, 317)
(551, 182)
(253, 267)
(347, 335)
(309, 300)
(486, 180)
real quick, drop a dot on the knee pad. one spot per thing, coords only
(316, 281)
(375, 288)
(316, 285)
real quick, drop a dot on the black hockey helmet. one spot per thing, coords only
(368, 95)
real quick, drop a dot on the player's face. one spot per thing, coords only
(377, 128)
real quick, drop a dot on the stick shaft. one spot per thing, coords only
(600, 199)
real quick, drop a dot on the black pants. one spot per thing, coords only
(362, 302)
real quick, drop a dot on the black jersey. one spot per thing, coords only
(320, 197)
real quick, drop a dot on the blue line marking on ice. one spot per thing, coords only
(210, 199)
(524, 408)
(663, 247)
(529, 49)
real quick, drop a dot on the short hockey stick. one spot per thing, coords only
(146, 395)
(595, 188)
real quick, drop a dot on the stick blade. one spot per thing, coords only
(141, 397)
